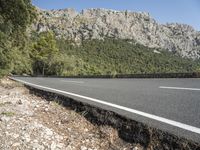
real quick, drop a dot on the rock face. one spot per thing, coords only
(140, 27)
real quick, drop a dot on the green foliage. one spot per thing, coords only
(22, 63)
(15, 16)
(44, 52)
(113, 57)
(5, 54)
(8, 114)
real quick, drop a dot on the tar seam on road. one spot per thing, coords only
(79, 82)
(144, 114)
(179, 88)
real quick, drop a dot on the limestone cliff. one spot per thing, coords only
(140, 27)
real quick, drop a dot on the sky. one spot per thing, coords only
(164, 11)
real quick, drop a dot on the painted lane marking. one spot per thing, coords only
(144, 114)
(179, 88)
(79, 82)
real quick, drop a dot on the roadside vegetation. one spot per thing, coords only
(22, 52)
(114, 56)
(8, 114)
(15, 17)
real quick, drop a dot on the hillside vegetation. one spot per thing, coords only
(15, 17)
(112, 56)
(33, 53)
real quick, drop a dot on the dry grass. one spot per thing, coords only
(5, 103)
(9, 84)
(8, 114)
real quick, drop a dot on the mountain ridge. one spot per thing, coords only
(103, 23)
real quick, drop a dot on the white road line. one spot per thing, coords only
(144, 114)
(79, 82)
(179, 88)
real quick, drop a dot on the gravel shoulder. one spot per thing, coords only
(28, 122)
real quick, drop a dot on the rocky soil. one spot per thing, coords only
(32, 119)
(31, 122)
(102, 23)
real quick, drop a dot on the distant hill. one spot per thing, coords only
(102, 23)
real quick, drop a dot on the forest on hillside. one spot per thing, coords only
(32, 53)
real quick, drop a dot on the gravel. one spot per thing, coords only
(30, 122)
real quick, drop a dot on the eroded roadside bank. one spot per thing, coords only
(34, 119)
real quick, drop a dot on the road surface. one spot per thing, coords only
(171, 105)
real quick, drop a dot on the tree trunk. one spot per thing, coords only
(43, 69)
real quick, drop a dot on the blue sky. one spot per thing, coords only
(181, 11)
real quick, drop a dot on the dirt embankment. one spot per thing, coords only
(34, 119)
(28, 121)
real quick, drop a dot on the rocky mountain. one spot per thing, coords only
(140, 27)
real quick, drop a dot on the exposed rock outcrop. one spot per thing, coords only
(140, 27)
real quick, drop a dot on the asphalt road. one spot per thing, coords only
(171, 105)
